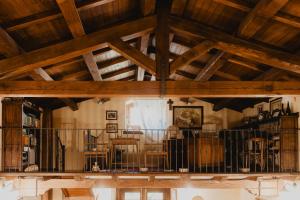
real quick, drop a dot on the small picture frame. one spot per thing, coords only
(275, 104)
(112, 127)
(111, 115)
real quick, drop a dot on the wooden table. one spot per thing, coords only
(122, 142)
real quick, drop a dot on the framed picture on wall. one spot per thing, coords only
(188, 116)
(111, 115)
(112, 127)
(275, 104)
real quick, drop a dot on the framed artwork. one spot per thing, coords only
(188, 116)
(111, 115)
(275, 105)
(112, 127)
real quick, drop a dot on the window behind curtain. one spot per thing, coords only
(146, 114)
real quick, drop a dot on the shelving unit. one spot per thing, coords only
(21, 122)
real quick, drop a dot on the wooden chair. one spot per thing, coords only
(158, 153)
(256, 148)
(101, 151)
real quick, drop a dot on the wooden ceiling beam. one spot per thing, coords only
(244, 63)
(191, 55)
(8, 45)
(119, 72)
(259, 16)
(110, 62)
(74, 48)
(279, 17)
(72, 18)
(211, 67)
(270, 75)
(147, 7)
(49, 15)
(133, 54)
(66, 89)
(236, 46)
(162, 43)
(41, 75)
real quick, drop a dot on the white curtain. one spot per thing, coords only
(146, 114)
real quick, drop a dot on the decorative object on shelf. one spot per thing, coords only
(275, 104)
(259, 108)
(112, 127)
(261, 116)
(111, 115)
(276, 113)
(170, 102)
(96, 167)
(188, 116)
(288, 109)
(283, 112)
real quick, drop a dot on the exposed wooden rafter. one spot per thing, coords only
(147, 8)
(10, 48)
(211, 67)
(280, 16)
(73, 48)
(148, 88)
(191, 55)
(50, 15)
(71, 16)
(133, 54)
(257, 18)
(233, 45)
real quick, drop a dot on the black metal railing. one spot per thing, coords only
(140, 151)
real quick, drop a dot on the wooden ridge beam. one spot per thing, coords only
(73, 48)
(279, 17)
(259, 16)
(49, 15)
(72, 18)
(191, 55)
(211, 67)
(133, 54)
(236, 46)
(148, 88)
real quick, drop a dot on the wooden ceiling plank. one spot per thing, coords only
(75, 47)
(75, 76)
(191, 55)
(259, 16)
(133, 54)
(236, 46)
(211, 67)
(280, 16)
(67, 89)
(71, 16)
(147, 7)
(178, 7)
(50, 15)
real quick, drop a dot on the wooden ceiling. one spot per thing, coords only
(110, 40)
